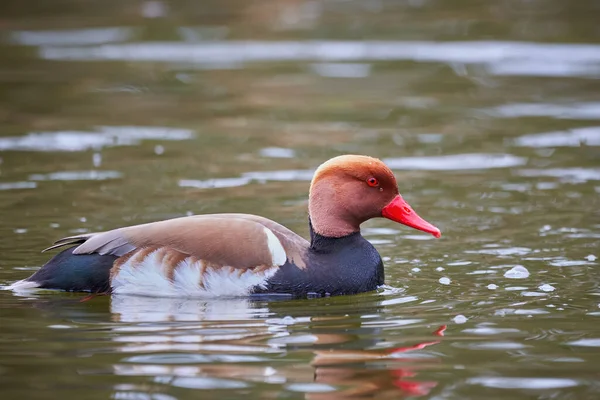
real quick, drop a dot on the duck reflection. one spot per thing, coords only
(236, 343)
(160, 309)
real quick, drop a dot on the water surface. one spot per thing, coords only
(134, 112)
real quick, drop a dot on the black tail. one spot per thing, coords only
(75, 272)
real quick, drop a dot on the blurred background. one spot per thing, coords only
(115, 113)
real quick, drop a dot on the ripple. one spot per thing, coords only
(531, 311)
(380, 231)
(156, 309)
(591, 342)
(282, 175)
(418, 237)
(342, 70)
(568, 175)
(187, 358)
(135, 395)
(589, 136)
(249, 177)
(294, 339)
(500, 345)
(508, 251)
(451, 162)
(500, 58)
(456, 162)
(569, 263)
(310, 387)
(206, 383)
(72, 37)
(459, 263)
(514, 288)
(17, 185)
(523, 383)
(104, 136)
(216, 183)
(482, 272)
(399, 300)
(533, 294)
(565, 111)
(277, 152)
(92, 175)
(485, 331)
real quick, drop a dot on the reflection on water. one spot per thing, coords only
(232, 353)
(152, 309)
(120, 113)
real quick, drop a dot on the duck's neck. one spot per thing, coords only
(327, 244)
(327, 214)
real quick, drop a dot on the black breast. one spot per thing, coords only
(334, 266)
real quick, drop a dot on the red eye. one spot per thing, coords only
(372, 182)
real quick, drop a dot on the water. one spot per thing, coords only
(136, 112)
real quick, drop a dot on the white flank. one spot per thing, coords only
(277, 251)
(149, 278)
(22, 285)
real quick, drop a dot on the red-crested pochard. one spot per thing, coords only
(241, 254)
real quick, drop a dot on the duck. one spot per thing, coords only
(239, 255)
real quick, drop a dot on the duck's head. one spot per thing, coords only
(348, 190)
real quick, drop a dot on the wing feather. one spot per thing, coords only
(234, 240)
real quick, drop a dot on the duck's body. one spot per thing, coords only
(242, 254)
